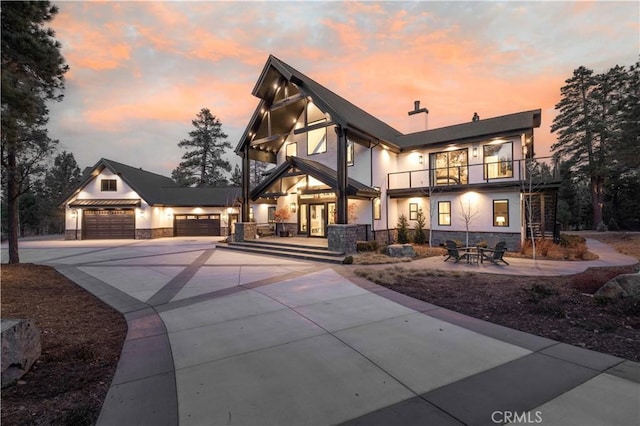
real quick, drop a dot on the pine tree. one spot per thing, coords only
(236, 176)
(420, 236)
(32, 73)
(203, 164)
(403, 229)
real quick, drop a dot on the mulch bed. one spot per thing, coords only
(81, 342)
(560, 308)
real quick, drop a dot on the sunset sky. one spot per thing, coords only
(141, 71)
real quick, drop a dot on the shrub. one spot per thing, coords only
(542, 290)
(348, 260)
(366, 246)
(613, 225)
(601, 227)
(544, 246)
(420, 237)
(525, 246)
(581, 251)
(403, 229)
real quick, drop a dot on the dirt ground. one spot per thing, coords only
(81, 342)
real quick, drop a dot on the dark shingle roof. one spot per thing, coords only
(156, 189)
(472, 130)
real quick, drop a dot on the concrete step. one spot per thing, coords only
(291, 248)
(276, 250)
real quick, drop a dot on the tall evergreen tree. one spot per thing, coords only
(203, 164)
(32, 73)
(257, 172)
(236, 176)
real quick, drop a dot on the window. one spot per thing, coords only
(292, 150)
(377, 209)
(349, 153)
(271, 214)
(108, 185)
(413, 211)
(450, 167)
(498, 160)
(444, 213)
(500, 212)
(317, 138)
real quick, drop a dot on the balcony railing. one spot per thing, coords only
(539, 169)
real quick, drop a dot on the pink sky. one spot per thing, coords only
(141, 71)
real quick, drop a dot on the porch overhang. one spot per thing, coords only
(106, 203)
(298, 167)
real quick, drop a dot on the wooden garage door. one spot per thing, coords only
(197, 225)
(108, 224)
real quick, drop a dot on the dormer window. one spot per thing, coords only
(108, 185)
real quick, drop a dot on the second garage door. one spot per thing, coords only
(197, 225)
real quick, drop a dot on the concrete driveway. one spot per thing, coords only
(219, 337)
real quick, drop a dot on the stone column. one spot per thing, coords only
(245, 231)
(342, 238)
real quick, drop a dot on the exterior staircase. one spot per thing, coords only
(282, 248)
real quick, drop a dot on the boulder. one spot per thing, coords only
(20, 348)
(401, 250)
(626, 285)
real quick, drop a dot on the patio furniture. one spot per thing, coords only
(453, 252)
(495, 255)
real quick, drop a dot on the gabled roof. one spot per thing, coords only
(320, 172)
(341, 111)
(472, 130)
(155, 189)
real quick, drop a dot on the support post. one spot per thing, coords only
(341, 169)
(246, 173)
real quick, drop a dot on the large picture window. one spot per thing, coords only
(292, 150)
(450, 167)
(500, 212)
(498, 160)
(444, 213)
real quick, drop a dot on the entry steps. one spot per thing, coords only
(284, 249)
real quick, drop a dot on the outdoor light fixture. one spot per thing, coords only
(500, 220)
(420, 159)
(293, 207)
(475, 152)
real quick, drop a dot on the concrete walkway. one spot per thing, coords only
(218, 337)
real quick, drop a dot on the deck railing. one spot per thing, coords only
(518, 171)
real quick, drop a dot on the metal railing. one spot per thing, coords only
(539, 169)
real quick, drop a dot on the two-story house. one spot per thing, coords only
(342, 173)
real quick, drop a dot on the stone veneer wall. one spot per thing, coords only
(342, 238)
(162, 233)
(491, 238)
(245, 231)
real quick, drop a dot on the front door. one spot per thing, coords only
(317, 220)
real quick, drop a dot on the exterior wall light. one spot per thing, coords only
(293, 207)
(475, 152)
(420, 159)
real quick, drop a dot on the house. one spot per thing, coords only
(345, 175)
(113, 200)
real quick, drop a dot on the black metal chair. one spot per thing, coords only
(497, 253)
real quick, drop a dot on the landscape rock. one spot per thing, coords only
(20, 348)
(622, 286)
(401, 250)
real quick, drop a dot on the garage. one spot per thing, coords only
(108, 224)
(197, 225)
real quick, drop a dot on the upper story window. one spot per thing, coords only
(498, 160)
(450, 167)
(317, 138)
(108, 185)
(292, 150)
(350, 152)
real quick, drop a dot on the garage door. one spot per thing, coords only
(197, 225)
(108, 224)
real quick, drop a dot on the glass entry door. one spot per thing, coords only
(317, 220)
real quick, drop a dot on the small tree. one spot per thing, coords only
(420, 237)
(280, 216)
(403, 229)
(468, 215)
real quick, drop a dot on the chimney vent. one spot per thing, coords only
(418, 118)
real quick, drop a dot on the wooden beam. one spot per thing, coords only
(313, 127)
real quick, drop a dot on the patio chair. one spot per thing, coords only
(454, 253)
(497, 253)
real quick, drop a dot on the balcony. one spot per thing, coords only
(512, 173)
